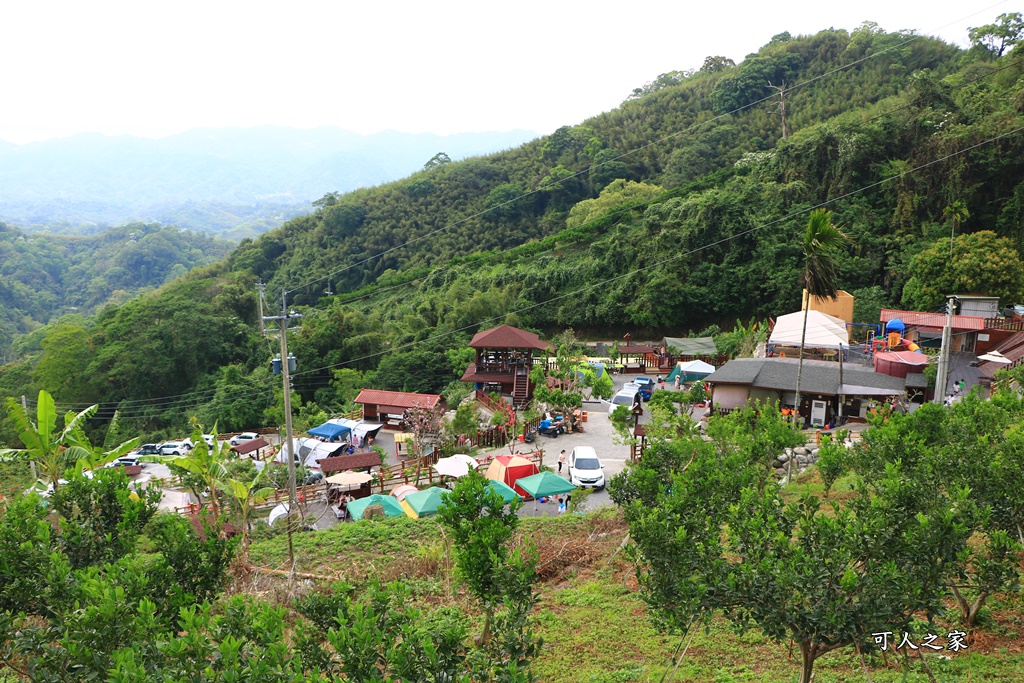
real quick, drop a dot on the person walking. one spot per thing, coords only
(561, 505)
(561, 460)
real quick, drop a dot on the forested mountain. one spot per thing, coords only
(679, 210)
(44, 276)
(230, 182)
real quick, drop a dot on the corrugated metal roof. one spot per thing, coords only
(350, 462)
(397, 398)
(967, 323)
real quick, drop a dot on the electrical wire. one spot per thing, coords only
(665, 138)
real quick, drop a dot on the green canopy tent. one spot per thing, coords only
(507, 493)
(391, 507)
(426, 502)
(545, 484)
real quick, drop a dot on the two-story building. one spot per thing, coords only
(504, 357)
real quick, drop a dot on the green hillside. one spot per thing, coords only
(45, 276)
(677, 211)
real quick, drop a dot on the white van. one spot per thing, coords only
(625, 397)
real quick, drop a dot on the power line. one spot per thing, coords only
(670, 259)
(665, 138)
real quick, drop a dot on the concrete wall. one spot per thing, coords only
(729, 396)
(841, 307)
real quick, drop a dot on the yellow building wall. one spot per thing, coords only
(841, 307)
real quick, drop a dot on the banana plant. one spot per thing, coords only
(101, 456)
(205, 462)
(246, 496)
(52, 450)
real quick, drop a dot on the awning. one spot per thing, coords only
(391, 410)
(330, 431)
(854, 390)
(254, 445)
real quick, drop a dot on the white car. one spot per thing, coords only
(625, 397)
(174, 448)
(243, 437)
(585, 468)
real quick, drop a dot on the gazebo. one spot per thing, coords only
(504, 357)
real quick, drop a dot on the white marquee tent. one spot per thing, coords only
(823, 331)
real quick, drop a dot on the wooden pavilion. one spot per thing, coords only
(504, 357)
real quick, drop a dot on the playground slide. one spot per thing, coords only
(911, 346)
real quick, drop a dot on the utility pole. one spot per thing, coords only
(942, 377)
(31, 463)
(782, 104)
(841, 397)
(288, 446)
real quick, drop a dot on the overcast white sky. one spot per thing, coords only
(156, 68)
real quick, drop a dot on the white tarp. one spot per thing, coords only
(823, 331)
(696, 366)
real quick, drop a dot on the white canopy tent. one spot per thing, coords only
(696, 366)
(823, 331)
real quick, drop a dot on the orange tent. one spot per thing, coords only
(511, 468)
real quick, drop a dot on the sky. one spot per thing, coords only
(155, 68)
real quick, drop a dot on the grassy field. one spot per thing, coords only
(595, 625)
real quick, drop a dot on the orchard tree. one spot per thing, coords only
(712, 535)
(482, 527)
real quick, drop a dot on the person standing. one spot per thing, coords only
(561, 505)
(561, 460)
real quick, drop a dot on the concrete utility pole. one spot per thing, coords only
(841, 396)
(942, 377)
(782, 104)
(288, 446)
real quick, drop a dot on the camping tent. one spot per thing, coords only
(391, 507)
(509, 468)
(690, 371)
(823, 331)
(423, 503)
(331, 431)
(545, 484)
(507, 493)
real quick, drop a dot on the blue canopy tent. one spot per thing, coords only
(330, 431)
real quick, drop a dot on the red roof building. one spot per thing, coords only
(388, 407)
(504, 357)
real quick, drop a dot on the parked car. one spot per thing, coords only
(585, 468)
(645, 385)
(243, 437)
(173, 448)
(210, 439)
(625, 397)
(148, 449)
(127, 461)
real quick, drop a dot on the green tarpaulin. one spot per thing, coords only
(426, 502)
(391, 506)
(545, 484)
(507, 493)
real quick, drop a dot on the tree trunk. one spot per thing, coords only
(807, 657)
(970, 611)
(799, 375)
(485, 635)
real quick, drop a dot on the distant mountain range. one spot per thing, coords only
(233, 183)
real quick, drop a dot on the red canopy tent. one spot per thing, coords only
(511, 468)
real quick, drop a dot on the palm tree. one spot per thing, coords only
(49, 449)
(100, 456)
(957, 213)
(819, 277)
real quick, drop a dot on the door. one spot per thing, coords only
(817, 413)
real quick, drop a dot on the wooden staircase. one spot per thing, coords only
(520, 388)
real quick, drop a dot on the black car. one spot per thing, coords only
(149, 449)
